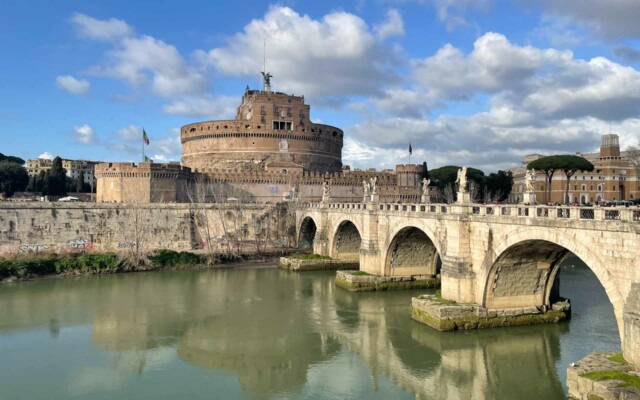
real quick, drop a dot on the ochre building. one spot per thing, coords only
(615, 177)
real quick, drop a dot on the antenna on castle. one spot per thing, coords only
(265, 75)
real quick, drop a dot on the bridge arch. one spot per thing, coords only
(346, 241)
(520, 270)
(307, 233)
(412, 251)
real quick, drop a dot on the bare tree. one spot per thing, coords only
(135, 230)
(633, 155)
(448, 194)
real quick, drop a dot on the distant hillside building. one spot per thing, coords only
(615, 177)
(74, 168)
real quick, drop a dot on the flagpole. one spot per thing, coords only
(143, 144)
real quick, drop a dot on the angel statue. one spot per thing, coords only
(425, 186)
(530, 180)
(462, 180)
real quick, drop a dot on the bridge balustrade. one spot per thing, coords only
(587, 213)
(542, 212)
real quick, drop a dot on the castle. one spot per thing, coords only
(270, 152)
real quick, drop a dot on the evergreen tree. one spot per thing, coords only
(13, 178)
(55, 182)
(80, 183)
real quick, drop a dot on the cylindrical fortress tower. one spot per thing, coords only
(271, 131)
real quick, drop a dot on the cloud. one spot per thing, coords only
(104, 30)
(46, 156)
(626, 53)
(145, 60)
(340, 47)
(494, 65)
(393, 26)
(84, 134)
(73, 85)
(611, 19)
(129, 140)
(217, 108)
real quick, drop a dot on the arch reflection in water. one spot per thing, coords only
(288, 334)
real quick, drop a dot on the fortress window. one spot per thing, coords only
(192, 130)
(263, 111)
(335, 133)
(289, 112)
(282, 125)
(258, 126)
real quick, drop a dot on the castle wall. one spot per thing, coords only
(269, 128)
(76, 227)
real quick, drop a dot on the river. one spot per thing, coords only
(256, 332)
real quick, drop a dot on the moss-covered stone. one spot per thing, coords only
(449, 316)
(356, 282)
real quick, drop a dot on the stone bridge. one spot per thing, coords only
(498, 257)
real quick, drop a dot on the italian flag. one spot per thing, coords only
(145, 138)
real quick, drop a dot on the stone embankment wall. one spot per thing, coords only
(56, 227)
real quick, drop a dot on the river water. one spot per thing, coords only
(258, 332)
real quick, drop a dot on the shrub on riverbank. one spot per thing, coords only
(53, 264)
(34, 265)
(174, 259)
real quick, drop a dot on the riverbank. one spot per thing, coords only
(50, 265)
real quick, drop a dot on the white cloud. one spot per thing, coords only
(107, 30)
(494, 65)
(129, 140)
(393, 26)
(84, 134)
(340, 47)
(46, 156)
(130, 133)
(148, 61)
(217, 108)
(73, 85)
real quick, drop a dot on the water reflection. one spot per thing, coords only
(274, 330)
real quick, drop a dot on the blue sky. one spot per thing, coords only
(467, 82)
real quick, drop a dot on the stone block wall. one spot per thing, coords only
(58, 227)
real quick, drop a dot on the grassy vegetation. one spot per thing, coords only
(308, 256)
(359, 273)
(619, 358)
(34, 265)
(626, 378)
(439, 299)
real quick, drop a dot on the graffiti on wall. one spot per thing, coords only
(80, 244)
(33, 248)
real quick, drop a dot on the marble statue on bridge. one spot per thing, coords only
(462, 180)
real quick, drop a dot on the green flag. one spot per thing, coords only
(145, 138)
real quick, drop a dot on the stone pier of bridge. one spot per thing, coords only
(500, 258)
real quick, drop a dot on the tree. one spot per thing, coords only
(55, 180)
(80, 184)
(444, 179)
(13, 178)
(567, 163)
(13, 159)
(633, 155)
(498, 186)
(425, 171)
(571, 164)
